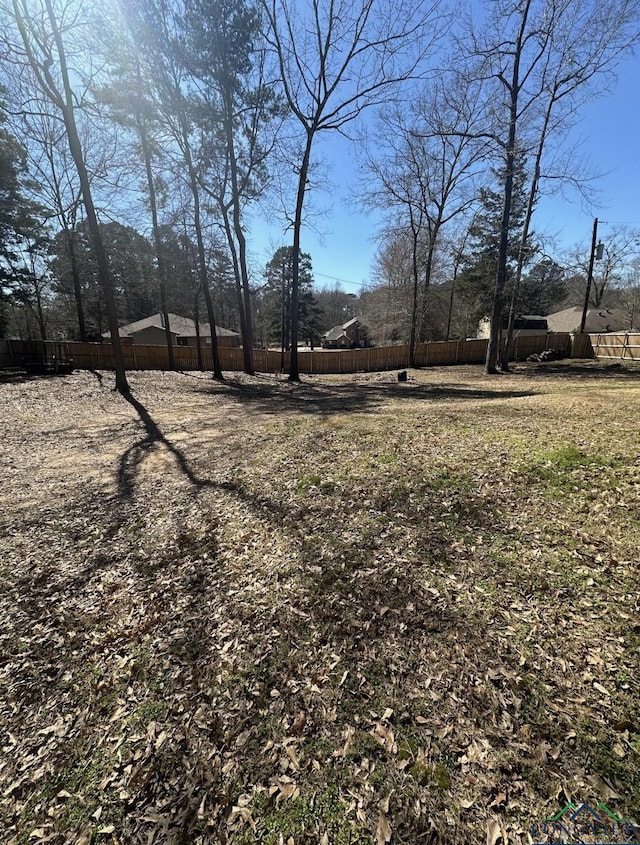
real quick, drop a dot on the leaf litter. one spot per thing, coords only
(343, 611)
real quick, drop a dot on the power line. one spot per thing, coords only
(343, 281)
(328, 276)
(620, 223)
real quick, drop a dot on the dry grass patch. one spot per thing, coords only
(334, 612)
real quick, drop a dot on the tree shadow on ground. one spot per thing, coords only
(379, 615)
(369, 603)
(133, 457)
(274, 397)
(588, 371)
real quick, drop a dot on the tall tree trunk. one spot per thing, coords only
(237, 277)
(414, 301)
(70, 249)
(196, 314)
(157, 240)
(513, 87)
(456, 266)
(202, 258)
(247, 321)
(428, 267)
(294, 374)
(75, 147)
(531, 201)
(40, 316)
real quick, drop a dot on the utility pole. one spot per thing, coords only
(589, 275)
(283, 321)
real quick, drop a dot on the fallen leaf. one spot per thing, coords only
(499, 799)
(495, 831)
(383, 832)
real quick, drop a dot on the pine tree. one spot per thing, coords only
(20, 224)
(477, 280)
(277, 299)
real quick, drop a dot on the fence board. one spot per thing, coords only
(98, 356)
(620, 346)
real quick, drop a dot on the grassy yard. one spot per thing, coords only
(344, 612)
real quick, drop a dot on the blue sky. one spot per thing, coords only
(609, 130)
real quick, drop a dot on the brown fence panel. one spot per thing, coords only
(99, 355)
(18, 353)
(472, 351)
(6, 354)
(186, 357)
(581, 346)
(525, 345)
(617, 346)
(89, 356)
(632, 351)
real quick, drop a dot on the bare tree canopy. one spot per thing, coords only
(337, 59)
(533, 62)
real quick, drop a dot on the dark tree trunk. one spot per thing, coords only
(294, 373)
(70, 248)
(75, 147)
(202, 258)
(493, 347)
(157, 240)
(247, 322)
(237, 276)
(414, 301)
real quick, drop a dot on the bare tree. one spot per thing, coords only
(336, 59)
(241, 115)
(529, 54)
(581, 49)
(158, 26)
(32, 283)
(427, 172)
(130, 105)
(37, 44)
(630, 294)
(58, 187)
(616, 261)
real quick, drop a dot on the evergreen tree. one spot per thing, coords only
(132, 275)
(276, 301)
(238, 113)
(476, 282)
(21, 228)
(543, 288)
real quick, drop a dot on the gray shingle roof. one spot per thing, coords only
(180, 326)
(598, 320)
(335, 333)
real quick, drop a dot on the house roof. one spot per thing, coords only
(180, 327)
(353, 322)
(598, 320)
(338, 331)
(530, 321)
(335, 333)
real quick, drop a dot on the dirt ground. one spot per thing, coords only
(346, 611)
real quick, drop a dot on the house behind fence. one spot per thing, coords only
(151, 331)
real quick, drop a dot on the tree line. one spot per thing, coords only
(137, 140)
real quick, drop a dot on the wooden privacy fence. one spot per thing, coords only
(98, 356)
(618, 346)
